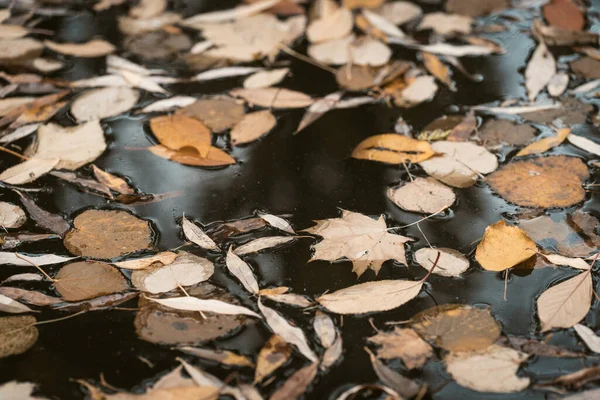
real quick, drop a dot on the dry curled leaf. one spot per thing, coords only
(17, 335)
(93, 48)
(504, 246)
(546, 182)
(422, 195)
(108, 234)
(450, 262)
(86, 280)
(393, 149)
(272, 355)
(404, 344)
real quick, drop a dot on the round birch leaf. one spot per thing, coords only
(423, 195)
(450, 263)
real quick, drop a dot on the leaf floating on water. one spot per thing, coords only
(557, 259)
(371, 296)
(589, 337)
(554, 181)
(565, 304)
(218, 114)
(115, 183)
(393, 149)
(186, 270)
(263, 79)
(232, 14)
(27, 277)
(169, 104)
(97, 303)
(51, 222)
(18, 391)
(273, 355)
(86, 280)
(29, 296)
(540, 69)
(318, 109)
(291, 334)
(221, 356)
(104, 103)
(179, 131)
(263, 243)
(422, 195)
(190, 156)
(108, 234)
(457, 328)
(291, 299)
(252, 127)
(325, 329)
(12, 216)
(558, 84)
(226, 72)
(480, 371)
(404, 344)
(545, 144)
(564, 14)
(297, 384)
(164, 258)
(93, 48)
(504, 246)
(336, 23)
(359, 238)
(17, 335)
(446, 24)
(28, 171)
(277, 222)
(438, 69)
(241, 270)
(274, 97)
(450, 262)
(173, 393)
(24, 260)
(585, 144)
(214, 306)
(196, 235)
(11, 306)
(404, 386)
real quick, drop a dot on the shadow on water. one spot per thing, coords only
(309, 176)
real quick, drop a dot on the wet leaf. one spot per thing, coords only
(565, 304)
(585, 144)
(457, 328)
(23, 260)
(459, 164)
(446, 24)
(252, 127)
(104, 103)
(318, 109)
(577, 263)
(108, 234)
(154, 45)
(11, 306)
(480, 371)
(540, 69)
(576, 379)
(263, 79)
(52, 222)
(404, 386)
(17, 335)
(13, 103)
(186, 270)
(169, 104)
(564, 14)
(325, 329)
(28, 171)
(179, 131)
(225, 72)
(419, 90)
(164, 258)
(93, 48)
(19, 51)
(542, 182)
(404, 344)
(383, 24)
(297, 384)
(291, 299)
(174, 393)
(589, 337)
(504, 246)
(450, 49)
(536, 347)
(115, 183)
(84, 183)
(585, 395)
(148, 9)
(422, 195)
(371, 296)
(18, 391)
(221, 356)
(217, 114)
(274, 97)
(335, 24)
(291, 334)
(586, 67)
(242, 271)
(496, 132)
(75, 146)
(332, 354)
(277, 222)
(476, 8)
(239, 12)
(196, 235)
(27, 277)
(86, 280)
(556, 36)
(438, 69)
(36, 114)
(29, 296)
(393, 149)
(196, 304)
(263, 243)
(273, 355)
(558, 84)
(19, 133)
(97, 303)
(450, 262)
(215, 157)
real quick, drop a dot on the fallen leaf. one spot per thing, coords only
(446, 24)
(259, 244)
(585, 395)
(28, 171)
(332, 52)
(546, 182)
(564, 14)
(450, 262)
(13, 103)
(175, 393)
(325, 329)
(332, 354)
(27, 277)
(540, 69)
(19, 51)
(84, 183)
(29, 296)
(333, 25)
(371, 296)
(203, 378)
(14, 390)
(556, 36)
(495, 132)
(421, 89)
(115, 183)
(262, 79)
(369, 51)
(277, 222)
(12, 31)
(239, 12)
(104, 103)
(422, 195)
(18, 334)
(148, 9)
(52, 222)
(404, 386)
(558, 84)
(457, 327)
(272, 355)
(480, 371)
(565, 304)
(589, 337)
(196, 304)
(97, 303)
(108, 234)
(190, 156)
(196, 235)
(19, 133)
(179, 131)
(404, 344)
(438, 69)
(393, 149)
(164, 258)
(221, 356)
(186, 270)
(585, 144)
(86, 280)
(576, 379)
(217, 114)
(570, 112)
(11, 306)
(291, 334)
(380, 22)
(274, 97)
(449, 49)
(74, 146)
(291, 299)
(353, 391)
(476, 8)
(225, 72)
(252, 127)
(154, 45)
(459, 164)
(93, 48)
(35, 114)
(504, 246)
(577, 263)
(242, 271)
(282, 8)
(297, 384)
(24, 260)
(169, 104)
(318, 109)
(535, 347)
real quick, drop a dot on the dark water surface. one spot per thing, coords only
(309, 176)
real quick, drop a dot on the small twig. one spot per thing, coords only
(302, 57)
(36, 266)
(14, 153)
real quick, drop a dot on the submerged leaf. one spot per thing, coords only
(296, 385)
(17, 335)
(273, 355)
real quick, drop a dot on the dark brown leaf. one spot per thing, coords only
(496, 132)
(564, 14)
(51, 222)
(86, 280)
(17, 335)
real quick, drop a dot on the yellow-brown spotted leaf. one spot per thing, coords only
(393, 149)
